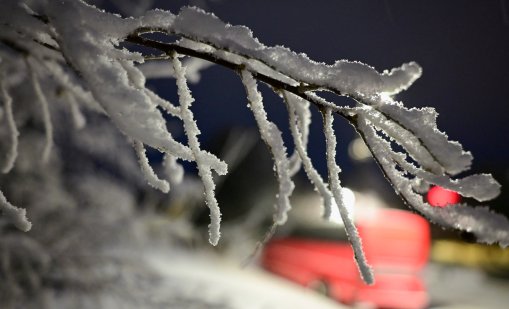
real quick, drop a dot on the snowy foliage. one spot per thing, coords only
(68, 51)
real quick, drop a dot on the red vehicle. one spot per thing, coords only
(396, 244)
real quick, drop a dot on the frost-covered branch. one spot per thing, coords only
(295, 104)
(147, 170)
(410, 181)
(271, 135)
(12, 153)
(41, 98)
(88, 54)
(204, 165)
(335, 185)
(14, 214)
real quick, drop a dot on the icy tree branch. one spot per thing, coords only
(147, 170)
(88, 53)
(300, 140)
(204, 165)
(41, 98)
(11, 123)
(271, 135)
(335, 185)
(15, 214)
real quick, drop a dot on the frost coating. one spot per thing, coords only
(272, 137)
(147, 170)
(300, 140)
(347, 77)
(91, 52)
(335, 185)
(113, 78)
(14, 214)
(399, 79)
(46, 117)
(12, 153)
(204, 165)
(405, 138)
(422, 123)
(300, 115)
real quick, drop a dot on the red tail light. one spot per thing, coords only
(440, 197)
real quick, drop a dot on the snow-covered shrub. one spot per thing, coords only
(67, 52)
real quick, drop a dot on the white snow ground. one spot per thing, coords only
(208, 282)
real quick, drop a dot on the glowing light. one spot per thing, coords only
(440, 197)
(358, 150)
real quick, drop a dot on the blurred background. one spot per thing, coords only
(462, 47)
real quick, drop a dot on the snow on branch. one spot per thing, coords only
(12, 153)
(203, 163)
(421, 124)
(87, 52)
(14, 214)
(299, 126)
(147, 170)
(271, 135)
(487, 226)
(335, 185)
(300, 115)
(41, 98)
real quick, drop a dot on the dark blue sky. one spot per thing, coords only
(463, 47)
